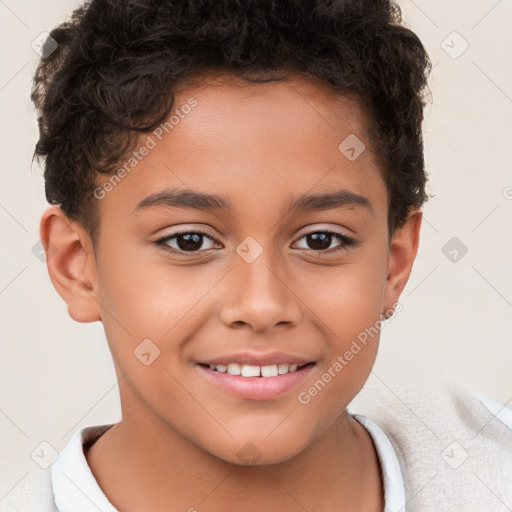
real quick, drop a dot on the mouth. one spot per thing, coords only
(254, 382)
(249, 370)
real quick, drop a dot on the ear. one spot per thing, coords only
(403, 249)
(71, 264)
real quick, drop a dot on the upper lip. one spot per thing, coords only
(257, 359)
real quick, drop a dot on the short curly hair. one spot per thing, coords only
(119, 63)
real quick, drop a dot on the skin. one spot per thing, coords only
(260, 146)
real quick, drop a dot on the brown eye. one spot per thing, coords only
(321, 241)
(189, 241)
(186, 241)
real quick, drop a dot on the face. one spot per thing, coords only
(265, 274)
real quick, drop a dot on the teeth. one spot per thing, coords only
(269, 371)
(234, 369)
(250, 371)
(247, 370)
(283, 368)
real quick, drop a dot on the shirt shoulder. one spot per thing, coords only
(454, 449)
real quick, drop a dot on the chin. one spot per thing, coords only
(258, 451)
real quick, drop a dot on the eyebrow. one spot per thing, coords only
(329, 200)
(186, 198)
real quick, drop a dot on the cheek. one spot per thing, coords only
(150, 299)
(347, 303)
(148, 295)
(348, 298)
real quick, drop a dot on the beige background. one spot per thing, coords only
(57, 376)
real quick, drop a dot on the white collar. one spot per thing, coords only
(74, 487)
(76, 490)
(392, 478)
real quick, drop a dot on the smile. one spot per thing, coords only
(247, 370)
(255, 382)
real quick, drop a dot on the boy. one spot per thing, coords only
(199, 156)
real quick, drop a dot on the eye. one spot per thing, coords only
(192, 241)
(185, 241)
(320, 241)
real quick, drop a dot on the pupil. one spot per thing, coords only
(193, 241)
(319, 240)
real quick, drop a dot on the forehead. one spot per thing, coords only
(245, 141)
(276, 103)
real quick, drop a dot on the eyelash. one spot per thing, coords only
(347, 242)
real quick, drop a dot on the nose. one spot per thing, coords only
(259, 296)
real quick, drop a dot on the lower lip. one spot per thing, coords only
(256, 388)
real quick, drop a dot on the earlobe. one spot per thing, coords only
(71, 264)
(403, 250)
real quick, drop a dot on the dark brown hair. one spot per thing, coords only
(119, 62)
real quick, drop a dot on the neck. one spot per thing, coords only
(147, 466)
